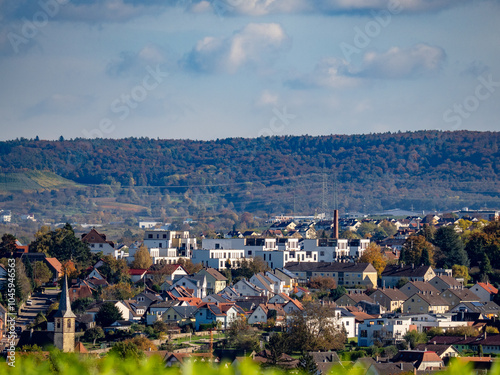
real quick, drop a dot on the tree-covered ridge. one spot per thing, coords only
(427, 169)
(468, 155)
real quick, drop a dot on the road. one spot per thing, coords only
(40, 302)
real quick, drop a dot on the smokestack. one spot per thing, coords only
(336, 223)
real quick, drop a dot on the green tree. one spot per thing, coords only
(62, 244)
(337, 292)
(450, 243)
(107, 314)
(307, 364)
(389, 228)
(93, 334)
(114, 270)
(8, 245)
(413, 338)
(277, 345)
(41, 273)
(142, 258)
(80, 305)
(126, 349)
(485, 268)
(241, 336)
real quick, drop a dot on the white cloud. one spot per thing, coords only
(65, 104)
(256, 45)
(329, 72)
(135, 63)
(267, 98)
(396, 63)
(265, 7)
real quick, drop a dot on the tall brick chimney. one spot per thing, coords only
(336, 223)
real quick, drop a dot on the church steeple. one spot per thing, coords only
(65, 303)
(64, 319)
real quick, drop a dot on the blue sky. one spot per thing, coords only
(244, 68)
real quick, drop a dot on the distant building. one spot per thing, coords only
(98, 243)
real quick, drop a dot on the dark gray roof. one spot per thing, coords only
(394, 270)
(329, 267)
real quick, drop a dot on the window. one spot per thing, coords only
(69, 323)
(164, 236)
(150, 236)
(364, 333)
(168, 316)
(58, 324)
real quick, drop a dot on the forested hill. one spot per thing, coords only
(375, 170)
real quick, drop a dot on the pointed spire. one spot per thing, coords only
(65, 304)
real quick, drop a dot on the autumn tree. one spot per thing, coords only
(258, 264)
(189, 266)
(373, 255)
(41, 273)
(417, 250)
(142, 258)
(315, 328)
(68, 268)
(461, 272)
(119, 291)
(323, 283)
(114, 270)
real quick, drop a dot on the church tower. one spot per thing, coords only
(64, 324)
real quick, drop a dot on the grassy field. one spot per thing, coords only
(33, 180)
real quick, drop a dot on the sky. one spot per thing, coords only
(208, 69)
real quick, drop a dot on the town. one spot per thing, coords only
(389, 295)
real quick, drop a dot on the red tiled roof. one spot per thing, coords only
(136, 271)
(55, 264)
(490, 288)
(80, 348)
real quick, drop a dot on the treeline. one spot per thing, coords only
(426, 169)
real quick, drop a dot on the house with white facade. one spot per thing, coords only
(384, 330)
(196, 285)
(98, 243)
(246, 288)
